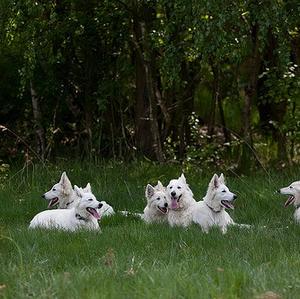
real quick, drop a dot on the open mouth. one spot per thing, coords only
(227, 204)
(176, 198)
(93, 212)
(163, 210)
(290, 200)
(53, 202)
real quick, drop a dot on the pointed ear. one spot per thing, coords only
(88, 188)
(159, 185)
(182, 178)
(78, 191)
(63, 176)
(149, 191)
(222, 179)
(66, 184)
(214, 182)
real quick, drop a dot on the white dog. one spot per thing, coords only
(106, 209)
(181, 202)
(63, 195)
(293, 191)
(211, 211)
(83, 215)
(157, 204)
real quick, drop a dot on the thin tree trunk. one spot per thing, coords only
(153, 115)
(215, 99)
(37, 117)
(146, 105)
(142, 120)
(249, 93)
(250, 90)
(223, 121)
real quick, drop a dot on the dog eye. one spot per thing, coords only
(90, 199)
(171, 187)
(158, 198)
(224, 191)
(291, 187)
(53, 189)
(178, 187)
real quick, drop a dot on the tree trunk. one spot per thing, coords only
(146, 101)
(223, 121)
(37, 117)
(215, 98)
(249, 93)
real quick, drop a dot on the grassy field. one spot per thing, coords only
(130, 259)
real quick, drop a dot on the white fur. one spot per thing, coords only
(63, 195)
(157, 204)
(72, 219)
(211, 211)
(106, 209)
(293, 190)
(181, 202)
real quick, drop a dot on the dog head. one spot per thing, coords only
(157, 198)
(60, 192)
(218, 195)
(88, 204)
(293, 192)
(180, 193)
(106, 209)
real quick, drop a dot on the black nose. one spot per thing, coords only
(43, 196)
(278, 191)
(234, 196)
(173, 193)
(166, 204)
(100, 205)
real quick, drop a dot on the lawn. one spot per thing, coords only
(130, 259)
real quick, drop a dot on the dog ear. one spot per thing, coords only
(88, 188)
(78, 191)
(149, 191)
(182, 178)
(159, 185)
(214, 182)
(222, 179)
(66, 184)
(63, 175)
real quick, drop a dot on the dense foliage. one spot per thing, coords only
(205, 81)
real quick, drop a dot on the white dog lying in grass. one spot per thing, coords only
(211, 211)
(293, 191)
(184, 210)
(157, 204)
(83, 215)
(181, 202)
(63, 195)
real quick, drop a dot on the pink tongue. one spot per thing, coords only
(174, 204)
(95, 213)
(52, 202)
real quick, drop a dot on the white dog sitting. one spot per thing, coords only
(63, 195)
(157, 204)
(83, 215)
(181, 202)
(211, 211)
(293, 191)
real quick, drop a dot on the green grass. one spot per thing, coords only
(130, 259)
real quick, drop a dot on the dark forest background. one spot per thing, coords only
(209, 82)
